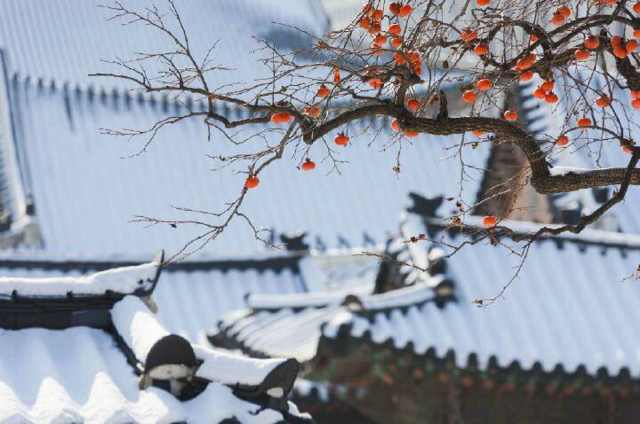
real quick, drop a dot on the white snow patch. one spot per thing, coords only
(227, 368)
(78, 375)
(121, 280)
(305, 387)
(559, 171)
(400, 297)
(332, 326)
(137, 325)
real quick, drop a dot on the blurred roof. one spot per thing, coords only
(75, 347)
(573, 304)
(191, 296)
(80, 375)
(66, 40)
(85, 189)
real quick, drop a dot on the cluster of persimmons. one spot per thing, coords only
(392, 39)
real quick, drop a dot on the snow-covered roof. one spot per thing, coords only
(294, 326)
(191, 296)
(588, 287)
(54, 370)
(295, 332)
(190, 303)
(139, 279)
(66, 40)
(585, 282)
(80, 375)
(81, 190)
(69, 163)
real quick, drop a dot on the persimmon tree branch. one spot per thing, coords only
(420, 64)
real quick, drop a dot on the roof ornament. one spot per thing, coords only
(274, 388)
(352, 303)
(294, 242)
(425, 206)
(170, 365)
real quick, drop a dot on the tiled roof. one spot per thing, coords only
(70, 164)
(75, 373)
(288, 331)
(84, 191)
(68, 40)
(573, 304)
(293, 327)
(80, 375)
(191, 303)
(140, 279)
(191, 296)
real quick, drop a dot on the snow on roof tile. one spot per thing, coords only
(124, 280)
(141, 331)
(293, 326)
(92, 380)
(190, 301)
(79, 375)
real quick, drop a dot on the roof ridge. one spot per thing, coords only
(134, 279)
(277, 263)
(594, 237)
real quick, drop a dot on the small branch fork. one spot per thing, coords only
(366, 79)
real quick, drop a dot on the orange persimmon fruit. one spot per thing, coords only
(308, 165)
(375, 83)
(405, 10)
(489, 221)
(484, 84)
(323, 91)
(582, 54)
(468, 35)
(526, 76)
(413, 105)
(510, 115)
(481, 49)
(281, 117)
(563, 140)
(603, 101)
(592, 42)
(551, 98)
(469, 96)
(394, 29)
(341, 139)
(252, 181)
(584, 122)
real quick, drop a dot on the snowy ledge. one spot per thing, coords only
(400, 297)
(141, 330)
(231, 369)
(125, 280)
(295, 300)
(560, 171)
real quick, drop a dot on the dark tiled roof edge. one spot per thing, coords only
(344, 344)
